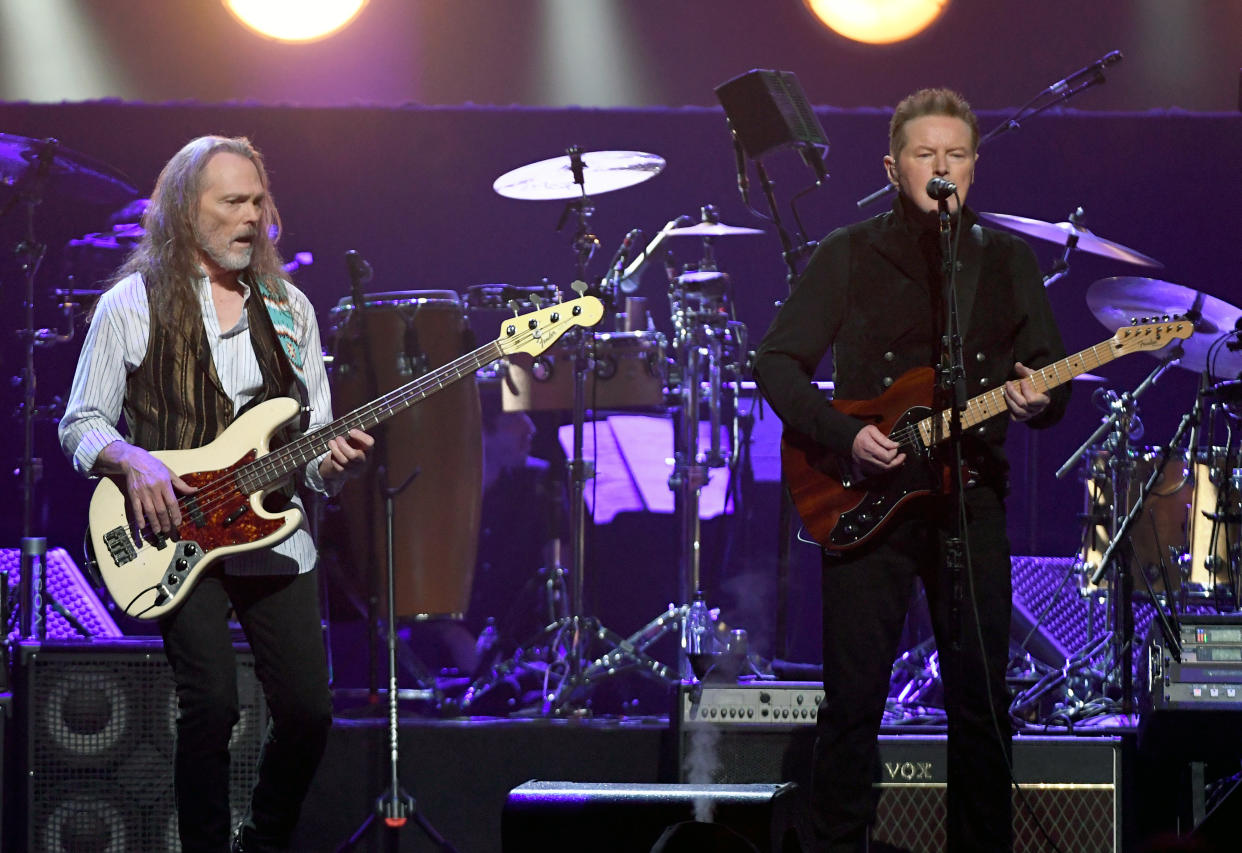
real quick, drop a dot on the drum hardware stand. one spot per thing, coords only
(395, 806)
(699, 345)
(1060, 267)
(569, 637)
(584, 242)
(1121, 590)
(33, 595)
(1168, 622)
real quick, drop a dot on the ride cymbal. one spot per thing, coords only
(1065, 232)
(67, 173)
(711, 229)
(1116, 301)
(602, 172)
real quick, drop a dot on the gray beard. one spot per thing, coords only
(231, 261)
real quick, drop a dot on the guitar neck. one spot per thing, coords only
(991, 404)
(274, 467)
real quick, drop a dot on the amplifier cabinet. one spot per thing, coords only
(1070, 787)
(96, 723)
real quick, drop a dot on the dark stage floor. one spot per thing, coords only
(1079, 789)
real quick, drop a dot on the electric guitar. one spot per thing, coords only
(841, 511)
(149, 575)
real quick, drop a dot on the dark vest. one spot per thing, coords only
(174, 401)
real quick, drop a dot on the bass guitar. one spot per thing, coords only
(149, 575)
(841, 511)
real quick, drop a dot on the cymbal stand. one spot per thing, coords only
(1060, 267)
(585, 243)
(33, 594)
(702, 327)
(566, 642)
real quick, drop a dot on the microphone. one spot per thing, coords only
(1096, 67)
(359, 273)
(627, 245)
(940, 189)
(359, 269)
(1104, 399)
(631, 276)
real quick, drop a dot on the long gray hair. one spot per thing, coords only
(166, 256)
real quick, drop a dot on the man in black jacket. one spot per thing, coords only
(873, 293)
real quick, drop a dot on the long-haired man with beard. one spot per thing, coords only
(200, 325)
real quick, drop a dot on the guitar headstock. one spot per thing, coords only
(534, 332)
(1150, 336)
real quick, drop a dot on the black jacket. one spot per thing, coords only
(871, 293)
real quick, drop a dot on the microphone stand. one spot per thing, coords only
(1169, 627)
(953, 396)
(1062, 90)
(1124, 405)
(395, 806)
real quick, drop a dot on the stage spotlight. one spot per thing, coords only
(877, 21)
(295, 20)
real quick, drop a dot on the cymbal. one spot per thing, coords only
(711, 229)
(1116, 301)
(602, 172)
(1062, 232)
(68, 174)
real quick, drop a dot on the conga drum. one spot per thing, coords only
(397, 338)
(1159, 533)
(1215, 528)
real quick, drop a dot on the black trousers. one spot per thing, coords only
(281, 619)
(865, 597)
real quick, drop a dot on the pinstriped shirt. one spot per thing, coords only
(116, 343)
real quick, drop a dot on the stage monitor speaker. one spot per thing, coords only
(768, 110)
(622, 817)
(1071, 787)
(69, 588)
(95, 729)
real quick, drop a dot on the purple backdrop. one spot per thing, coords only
(411, 190)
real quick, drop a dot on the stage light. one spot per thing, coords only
(877, 21)
(295, 20)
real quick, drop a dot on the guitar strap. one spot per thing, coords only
(277, 303)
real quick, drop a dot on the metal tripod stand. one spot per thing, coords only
(704, 332)
(395, 807)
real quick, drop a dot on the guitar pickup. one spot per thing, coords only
(236, 514)
(120, 548)
(194, 511)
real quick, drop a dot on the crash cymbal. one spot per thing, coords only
(602, 172)
(68, 173)
(1063, 232)
(1116, 301)
(711, 229)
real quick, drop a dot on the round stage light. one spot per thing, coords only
(295, 20)
(877, 21)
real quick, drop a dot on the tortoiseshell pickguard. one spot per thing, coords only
(207, 522)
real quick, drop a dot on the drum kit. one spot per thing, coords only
(631, 367)
(1172, 514)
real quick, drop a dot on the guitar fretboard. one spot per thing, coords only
(989, 405)
(274, 467)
